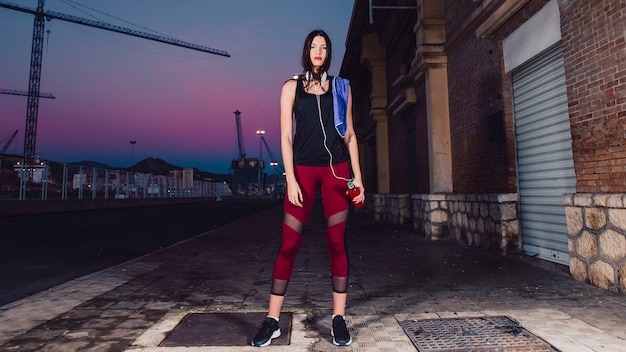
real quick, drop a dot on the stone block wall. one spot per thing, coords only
(394, 208)
(486, 221)
(430, 214)
(596, 230)
(399, 208)
(380, 208)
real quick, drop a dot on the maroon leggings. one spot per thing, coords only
(335, 203)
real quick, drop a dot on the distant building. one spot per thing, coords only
(247, 175)
(38, 171)
(79, 181)
(187, 178)
(186, 175)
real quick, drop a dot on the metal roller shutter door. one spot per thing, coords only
(544, 154)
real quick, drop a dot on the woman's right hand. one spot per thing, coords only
(294, 193)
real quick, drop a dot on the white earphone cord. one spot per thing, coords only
(319, 111)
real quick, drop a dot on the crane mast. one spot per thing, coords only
(30, 134)
(242, 149)
(34, 80)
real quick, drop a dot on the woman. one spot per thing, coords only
(322, 154)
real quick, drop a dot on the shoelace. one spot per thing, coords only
(263, 322)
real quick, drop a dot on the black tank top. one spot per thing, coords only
(308, 143)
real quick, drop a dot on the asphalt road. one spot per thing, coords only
(41, 251)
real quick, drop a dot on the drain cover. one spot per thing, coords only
(497, 333)
(223, 329)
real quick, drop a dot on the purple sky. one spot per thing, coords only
(176, 103)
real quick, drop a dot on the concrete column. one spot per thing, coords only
(374, 56)
(431, 59)
(439, 149)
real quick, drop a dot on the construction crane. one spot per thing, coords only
(246, 171)
(30, 133)
(242, 149)
(269, 151)
(277, 178)
(24, 93)
(8, 143)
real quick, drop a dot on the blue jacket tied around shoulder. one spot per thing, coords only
(340, 90)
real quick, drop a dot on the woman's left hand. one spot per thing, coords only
(361, 197)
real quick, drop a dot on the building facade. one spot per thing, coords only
(500, 123)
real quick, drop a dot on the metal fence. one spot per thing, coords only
(65, 181)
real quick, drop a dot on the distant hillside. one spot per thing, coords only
(155, 166)
(89, 163)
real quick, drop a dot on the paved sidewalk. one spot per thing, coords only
(396, 275)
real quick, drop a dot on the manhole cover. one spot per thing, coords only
(223, 329)
(497, 333)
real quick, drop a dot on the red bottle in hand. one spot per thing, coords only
(353, 192)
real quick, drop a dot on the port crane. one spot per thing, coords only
(41, 16)
(246, 171)
(269, 152)
(242, 149)
(279, 184)
(8, 143)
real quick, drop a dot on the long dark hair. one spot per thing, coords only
(307, 65)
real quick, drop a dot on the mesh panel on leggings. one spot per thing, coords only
(340, 284)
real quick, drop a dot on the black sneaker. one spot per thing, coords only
(341, 336)
(268, 330)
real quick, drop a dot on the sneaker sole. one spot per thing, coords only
(275, 335)
(332, 333)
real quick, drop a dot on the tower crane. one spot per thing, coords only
(24, 93)
(30, 133)
(8, 143)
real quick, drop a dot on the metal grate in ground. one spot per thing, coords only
(497, 333)
(223, 329)
(370, 333)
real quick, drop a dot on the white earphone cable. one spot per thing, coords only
(319, 111)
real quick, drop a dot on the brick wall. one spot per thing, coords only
(594, 48)
(481, 158)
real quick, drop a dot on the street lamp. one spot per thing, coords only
(274, 164)
(132, 161)
(132, 154)
(260, 133)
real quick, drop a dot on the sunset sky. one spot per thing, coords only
(176, 103)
